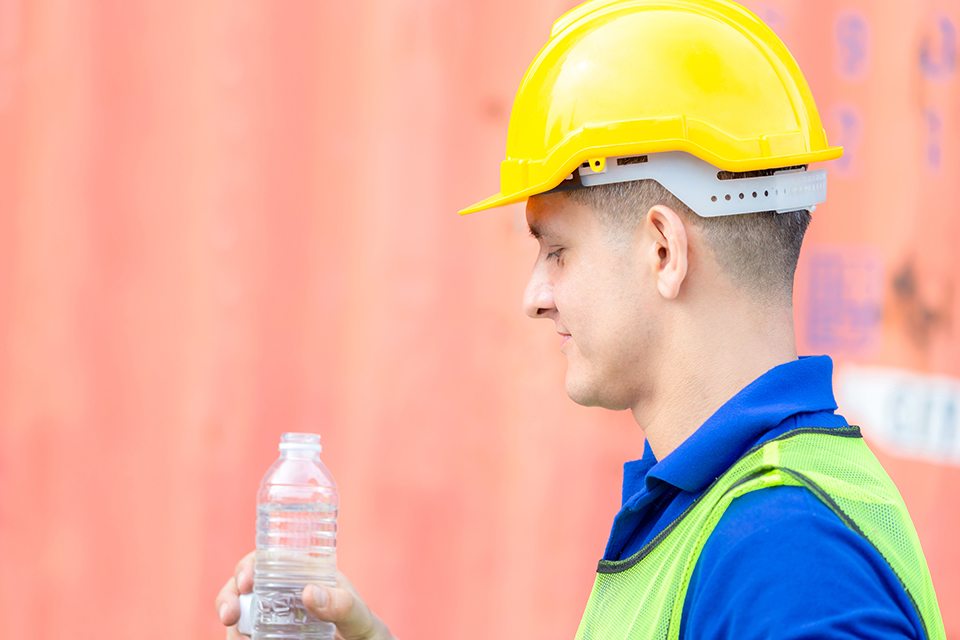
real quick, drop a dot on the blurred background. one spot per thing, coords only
(221, 220)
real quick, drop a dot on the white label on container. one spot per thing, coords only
(907, 414)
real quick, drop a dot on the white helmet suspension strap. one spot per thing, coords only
(706, 189)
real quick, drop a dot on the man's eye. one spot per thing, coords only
(554, 255)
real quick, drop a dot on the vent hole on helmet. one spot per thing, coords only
(762, 173)
(741, 196)
(727, 196)
(713, 198)
(754, 194)
(631, 160)
(766, 193)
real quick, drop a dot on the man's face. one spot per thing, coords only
(591, 281)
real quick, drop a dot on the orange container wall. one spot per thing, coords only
(878, 275)
(223, 220)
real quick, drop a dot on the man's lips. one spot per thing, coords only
(563, 338)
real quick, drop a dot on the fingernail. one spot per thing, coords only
(223, 612)
(240, 577)
(320, 597)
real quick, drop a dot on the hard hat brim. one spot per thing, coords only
(498, 200)
(501, 199)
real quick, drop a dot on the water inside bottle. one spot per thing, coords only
(296, 546)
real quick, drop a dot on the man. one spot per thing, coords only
(662, 148)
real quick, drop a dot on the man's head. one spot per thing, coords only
(635, 115)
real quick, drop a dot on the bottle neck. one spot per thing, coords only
(299, 454)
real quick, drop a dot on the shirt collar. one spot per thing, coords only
(804, 385)
(635, 473)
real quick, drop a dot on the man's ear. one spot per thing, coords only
(666, 240)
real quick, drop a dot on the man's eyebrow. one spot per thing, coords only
(535, 230)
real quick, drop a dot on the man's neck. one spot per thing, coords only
(706, 370)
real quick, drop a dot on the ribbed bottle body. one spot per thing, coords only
(296, 545)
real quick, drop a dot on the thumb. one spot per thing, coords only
(353, 619)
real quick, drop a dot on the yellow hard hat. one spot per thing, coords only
(623, 78)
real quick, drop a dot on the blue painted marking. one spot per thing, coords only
(852, 34)
(773, 18)
(934, 147)
(938, 52)
(849, 122)
(844, 300)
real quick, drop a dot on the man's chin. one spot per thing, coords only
(592, 395)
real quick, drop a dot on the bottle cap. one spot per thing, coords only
(307, 441)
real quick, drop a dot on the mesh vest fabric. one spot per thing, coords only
(642, 596)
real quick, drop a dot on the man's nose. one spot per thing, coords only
(538, 296)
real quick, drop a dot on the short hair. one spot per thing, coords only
(759, 251)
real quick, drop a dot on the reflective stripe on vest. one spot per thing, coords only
(643, 595)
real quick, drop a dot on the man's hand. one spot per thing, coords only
(344, 607)
(341, 606)
(228, 601)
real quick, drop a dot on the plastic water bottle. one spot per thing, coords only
(296, 542)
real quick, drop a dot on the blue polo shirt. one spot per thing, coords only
(779, 564)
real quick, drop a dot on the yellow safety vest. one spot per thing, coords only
(642, 596)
